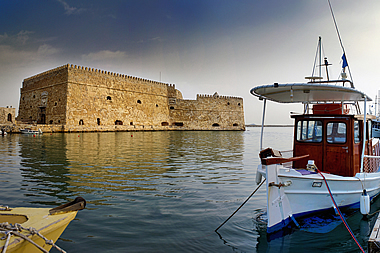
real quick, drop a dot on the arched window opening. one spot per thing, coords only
(215, 125)
(109, 98)
(228, 103)
(235, 124)
(118, 122)
(171, 107)
(156, 105)
(164, 124)
(81, 122)
(98, 121)
(131, 123)
(9, 117)
(51, 122)
(139, 101)
(238, 104)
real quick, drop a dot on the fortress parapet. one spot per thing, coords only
(78, 97)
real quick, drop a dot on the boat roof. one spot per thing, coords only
(308, 93)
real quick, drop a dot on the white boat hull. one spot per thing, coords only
(292, 194)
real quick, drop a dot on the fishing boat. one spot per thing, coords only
(30, 131)
(35, 229)
(2, 132)
(334, 164)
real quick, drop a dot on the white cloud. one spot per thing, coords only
(70, 10)
(46, 50)
(21, 38)
(105, 55)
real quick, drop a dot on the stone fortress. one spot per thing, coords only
(7, 115)
(73, 98)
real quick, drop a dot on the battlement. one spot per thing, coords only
(215, 96)
(90, 98)
(30, 80)
(113, 74)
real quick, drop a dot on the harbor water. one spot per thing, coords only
(158, 191)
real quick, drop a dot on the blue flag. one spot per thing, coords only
(344, 64)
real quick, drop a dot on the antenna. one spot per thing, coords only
(341, 43)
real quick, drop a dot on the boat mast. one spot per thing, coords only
(341, 44)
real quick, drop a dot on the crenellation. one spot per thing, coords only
(87, 98)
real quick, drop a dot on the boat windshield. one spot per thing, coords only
(336, 132)
(309, 131)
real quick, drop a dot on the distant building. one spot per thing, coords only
(7, 115)
(84, 99)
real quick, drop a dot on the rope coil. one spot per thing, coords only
(16, 229)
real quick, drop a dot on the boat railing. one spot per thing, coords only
(371, 163)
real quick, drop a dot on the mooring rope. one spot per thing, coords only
(216, 230)
(16, 229)
(340, 214)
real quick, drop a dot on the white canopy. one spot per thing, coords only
(308, 93)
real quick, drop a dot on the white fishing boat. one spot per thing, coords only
(30, 131)
(334, 164)
(2, 132)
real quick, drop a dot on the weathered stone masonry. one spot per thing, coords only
(85, 99)
(7, 115)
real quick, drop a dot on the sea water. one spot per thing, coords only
(158, 191)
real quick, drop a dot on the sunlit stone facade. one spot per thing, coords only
(78, 98)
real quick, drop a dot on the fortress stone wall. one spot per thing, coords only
(7, 115)
(75, 98)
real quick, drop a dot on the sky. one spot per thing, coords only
(201, 46)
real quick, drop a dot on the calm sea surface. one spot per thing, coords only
(157, 191)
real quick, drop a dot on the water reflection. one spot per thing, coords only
(44, 168)
(137, 162)
(64, 165)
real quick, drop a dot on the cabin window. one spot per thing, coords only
(336, 132)
(356, 132)
(309, 131)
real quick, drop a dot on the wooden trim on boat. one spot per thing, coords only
(278, 160)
